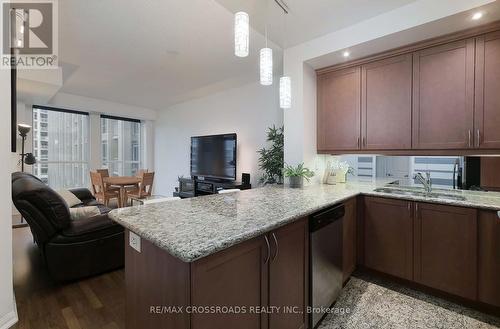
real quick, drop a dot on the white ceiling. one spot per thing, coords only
(155, 53)
(152, 53)
(308, 19)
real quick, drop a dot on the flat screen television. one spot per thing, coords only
(214, 157)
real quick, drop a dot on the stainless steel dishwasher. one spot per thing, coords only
(325, 262)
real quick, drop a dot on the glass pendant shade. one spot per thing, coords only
(285, 92)
(266, 66)
(241, 34)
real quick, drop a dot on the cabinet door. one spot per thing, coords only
(487, 109)
(445, 248)
(386, 104)
(339, 110)
(237, 276)
(443, 96)
(388, 236)
(349, 239)
(288, 275)
(489, 258)
(490, 179)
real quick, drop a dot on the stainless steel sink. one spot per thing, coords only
(434, 195)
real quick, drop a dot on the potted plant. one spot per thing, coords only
(271, 159)
(297, 174)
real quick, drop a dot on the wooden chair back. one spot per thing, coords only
(146, 184)
(97, 183)
(103, 172)
(140, 172)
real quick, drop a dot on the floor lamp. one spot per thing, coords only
(26, 158)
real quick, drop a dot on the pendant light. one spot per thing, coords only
(285, 92)
(285, 81)
(241, 34)
(266, 65)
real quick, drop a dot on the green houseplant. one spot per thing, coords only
(271, 159)
(297, 174)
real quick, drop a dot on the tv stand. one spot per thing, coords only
(189, 187)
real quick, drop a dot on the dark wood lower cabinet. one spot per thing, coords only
(236, 277)
(446, 248)
(288, 276)
(388, 236)
(233, 288)
(349, 238)
(489, 258)
(154, 278)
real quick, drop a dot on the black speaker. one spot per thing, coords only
(245, 178)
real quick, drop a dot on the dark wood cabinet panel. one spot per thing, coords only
(386, 103)
(489, 258)
(487, 96)
(446, 248)
(443, 96)
(349, 238)
(490, 173)
(155, 278)
(339, 110)
(288, 275)
(236, 276)
(388, 236)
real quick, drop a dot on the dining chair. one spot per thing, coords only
(101, 191)
(105, 173)
(141, 172)
(145, 188)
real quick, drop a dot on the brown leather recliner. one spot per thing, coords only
(71, 249)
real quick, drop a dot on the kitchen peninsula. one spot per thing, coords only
(250, 249)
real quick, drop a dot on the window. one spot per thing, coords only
(61, 147)
(121, 145)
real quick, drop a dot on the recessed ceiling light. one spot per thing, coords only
(346, 54)
(477, 16)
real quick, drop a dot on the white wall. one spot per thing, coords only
(247, 111)
(8, 315)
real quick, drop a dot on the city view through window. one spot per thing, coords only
(120, 146)
(61, 145)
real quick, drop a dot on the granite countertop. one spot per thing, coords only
(190, 229)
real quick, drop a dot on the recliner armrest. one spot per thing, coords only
(82, 193)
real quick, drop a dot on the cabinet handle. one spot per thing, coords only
(364, 141)
(277, 247)
(416, 209)
(478, 138)
(268, 249)
(470, 138)
(409, 207)
(358, 144)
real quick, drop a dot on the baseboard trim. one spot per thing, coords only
(9, 319)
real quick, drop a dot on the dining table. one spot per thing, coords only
(122, 182)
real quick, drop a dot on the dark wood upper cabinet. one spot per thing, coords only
(235, 276)
(349, 238)
(288, 275)
(489, 258)
(487, 97)
(446, 248)
(338, 116)
(443, 96)
(388, 236)
(386, 93)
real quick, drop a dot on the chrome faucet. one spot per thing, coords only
(426, 182)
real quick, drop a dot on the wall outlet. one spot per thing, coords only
(134, 241)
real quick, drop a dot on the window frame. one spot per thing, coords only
(44, 120)
(123, 163)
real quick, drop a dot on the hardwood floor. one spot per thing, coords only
(96, 302)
